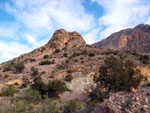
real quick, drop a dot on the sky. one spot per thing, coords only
(29, 24)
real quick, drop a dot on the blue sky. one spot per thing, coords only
(28, 24)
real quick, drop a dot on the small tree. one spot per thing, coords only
(56, 87)
(118, 75)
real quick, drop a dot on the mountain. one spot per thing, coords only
(137, 38)
(62, 75)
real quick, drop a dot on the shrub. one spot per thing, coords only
(47, 62)
(10, 90)
(57, 50)
(32, 95)
(41, 87)
(20, 106)
(43, 49)
(75, 60)
(52, 89)
(70, 71)
(46, 57)
(91, 54)
(144, 59)
(6, 76)
(2, 94)
(99, 93)
(69, 78)
(65, 54)
(19, 67)
(73, 106)
(56, 87)
(32, 60)
(34, 71)
(118, 75)
(43, 72)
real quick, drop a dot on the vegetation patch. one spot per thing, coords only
(116, 75)
(47, 62)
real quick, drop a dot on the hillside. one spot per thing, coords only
(68, 65)
(137, 38)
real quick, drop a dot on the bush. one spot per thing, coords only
(41, 87)
(20, 106)
(56, 87)
(34, 71)
(99, 93)
(46, 57)
(144, 59)
(91, 54)
(10, 91)
(70, 71)
(32, 95)
(52, 89)
(118, 75)
(65, 54)
(68, 78)
(47, 62)
(73, 106)
(57, 51)
(19, 67)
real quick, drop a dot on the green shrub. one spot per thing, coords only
(19, 67)
(73, 106)
(68, 78)
(57, 51)
(47, 62)
(43, 49)
(118, 75)
(6, 76)
(56, 87)
(52, 89)
(35, 71)
(10, 90)
(41, 87)
(99, 93)
(70, 71)
(2, 94)
(32, 95)
(20, 106)
(65, 54)
(43, 72)
(46, 57)
(144, 59)
(91, 54)
(51, 106)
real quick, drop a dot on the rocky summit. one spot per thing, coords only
(137, 38)
(66, 75)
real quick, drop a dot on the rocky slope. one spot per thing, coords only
(137, 38)
(66, 56)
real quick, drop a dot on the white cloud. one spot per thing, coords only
(9, 31)
(32, 40)
(9, 50)
(121, 14)
(91, 36)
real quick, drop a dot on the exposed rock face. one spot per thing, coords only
(137, 39)
(62, 38)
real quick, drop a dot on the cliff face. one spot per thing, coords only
(137, 38)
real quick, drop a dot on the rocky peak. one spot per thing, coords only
(61, 38)
(142, 27)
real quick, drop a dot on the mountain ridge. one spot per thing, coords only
(137, 38)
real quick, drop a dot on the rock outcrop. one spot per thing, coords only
(62, 38)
